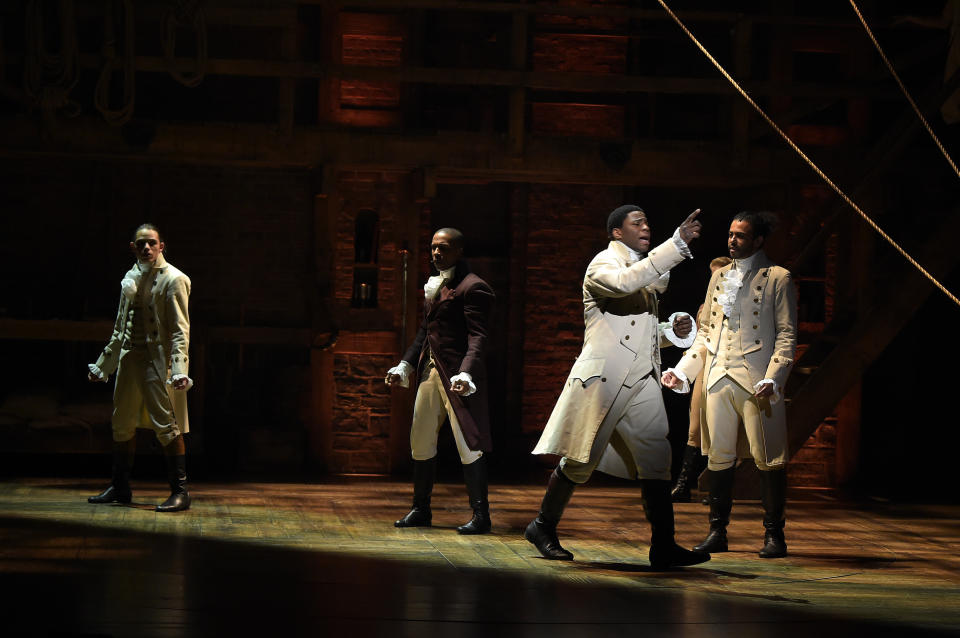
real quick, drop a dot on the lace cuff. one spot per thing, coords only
(177, 377)
(672, 336)
(97, 372)
(685, 388)
(776, 389)
(681, 245)
(465, 376)
(403, 369)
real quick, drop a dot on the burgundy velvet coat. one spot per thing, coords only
(454, 328)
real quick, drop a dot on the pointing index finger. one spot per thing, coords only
(692, 216)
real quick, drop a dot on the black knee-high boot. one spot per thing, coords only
(689, 471)
(420, 514)
(179, 498)
(658, 507)
(721, 502)
(542, 531)
(774, 499)
(475, 476)
(119, 489)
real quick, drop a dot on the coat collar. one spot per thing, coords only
(160, 264)
(448, 290)
(621, 250)
(760, 262)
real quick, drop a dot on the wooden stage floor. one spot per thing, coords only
(324, 559)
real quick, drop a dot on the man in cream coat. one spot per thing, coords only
(610, 415)
(746, 350)
(148, 350)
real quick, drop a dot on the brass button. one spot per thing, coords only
(693, 356)
(718, 287)
(708, 338)
(714, 298)
(757, 341)
(766, 274)
(627, 338)
(759, 288)
(755, 327)
(633, 323)
(603, 379)
(755, 312)
(756, 300)
(776, 359)
(584, 385)
(711, 325)
(714, 313)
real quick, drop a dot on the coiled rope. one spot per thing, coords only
(101, 95)
(810, 162)
(903, 88)
(185, 13)
(49, 77)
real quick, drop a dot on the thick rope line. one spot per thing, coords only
(903, 88)
(810, 162)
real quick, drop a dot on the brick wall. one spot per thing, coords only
(361, 414)
(362, 410)
(565, 230)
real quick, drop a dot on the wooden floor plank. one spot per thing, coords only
(327, 556)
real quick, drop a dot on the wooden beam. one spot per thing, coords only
(536, 80)
(452, 157)
(588, 10)
(55, 330)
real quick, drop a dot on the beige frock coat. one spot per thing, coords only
(167, 332)
(764, 336)
(621, 345)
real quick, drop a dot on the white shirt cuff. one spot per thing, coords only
(681, 245)
(177, 377)
(685, 388)
(776, 389)
(465, 376)
(97, 372)
(403, 369)
(672, 337)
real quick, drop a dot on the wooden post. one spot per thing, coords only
(518, 95)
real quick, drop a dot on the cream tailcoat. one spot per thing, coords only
(764, 335)
(621, 345)
(167, 329)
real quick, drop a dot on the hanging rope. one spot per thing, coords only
(49, 77)
(903, 88)
(189, 14)
(810, 162)
(101, 95)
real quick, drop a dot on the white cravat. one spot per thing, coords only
(433, 285)
(733, 281)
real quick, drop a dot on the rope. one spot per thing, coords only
(185, 13)
(903, 88)
(48, 77)
(810, 162)
(101, 95)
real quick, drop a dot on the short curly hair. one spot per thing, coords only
(615, 220)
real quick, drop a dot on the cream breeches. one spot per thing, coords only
(430, 410)
(728, 405)
(141, 388)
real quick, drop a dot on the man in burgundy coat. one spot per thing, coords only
(448, 356)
